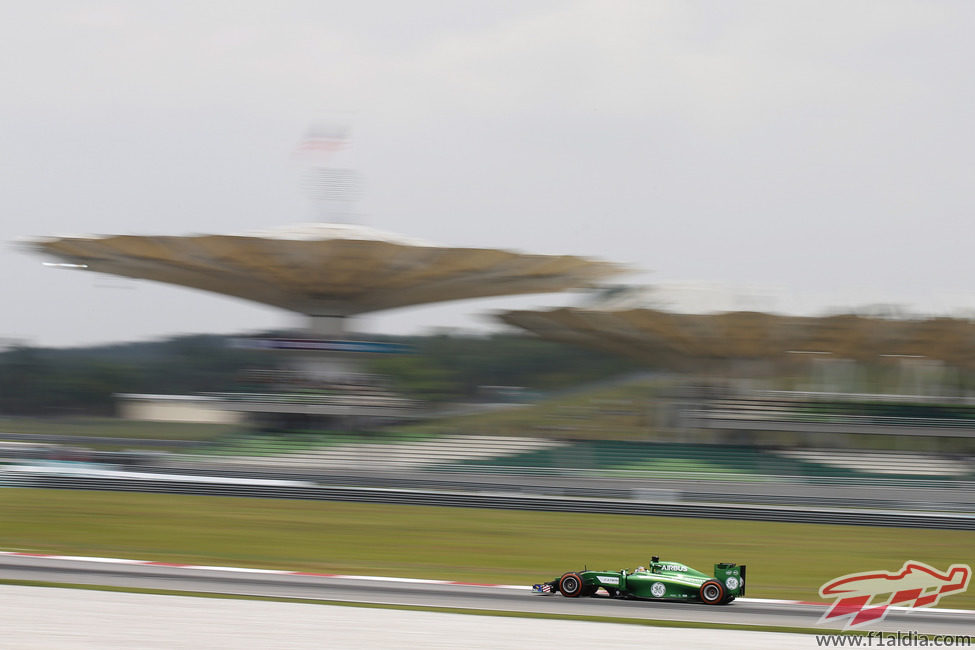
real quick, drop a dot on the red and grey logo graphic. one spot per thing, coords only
(860, 596)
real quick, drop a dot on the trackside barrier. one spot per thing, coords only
(535, 503)
(899, 483)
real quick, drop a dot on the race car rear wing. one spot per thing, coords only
(725, 570)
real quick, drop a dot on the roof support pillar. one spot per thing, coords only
(326, 326)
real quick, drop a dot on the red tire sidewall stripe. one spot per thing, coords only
(721, 592)
(578, 579)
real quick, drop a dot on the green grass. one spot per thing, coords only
(494, 546)
(115, 428)
(628, 411)
(620, 412)
(254, 444)
(259, 444)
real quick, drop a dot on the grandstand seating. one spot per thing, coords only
(882, 462)
(891, 411)
(391, 453)
(606, 458)
(705, 459)
(648, 457)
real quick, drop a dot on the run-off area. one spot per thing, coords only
(42, 618)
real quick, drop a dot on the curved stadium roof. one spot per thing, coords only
(319, 268)
(662, 337)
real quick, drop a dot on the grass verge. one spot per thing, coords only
(788, 561)
(116, 428)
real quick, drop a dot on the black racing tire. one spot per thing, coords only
(571, 585)
(712, 592)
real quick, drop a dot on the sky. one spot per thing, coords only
(818, 152)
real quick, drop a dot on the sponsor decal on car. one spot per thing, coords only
(658, 589)
(915, 585)
(609, 580)
(672, 567)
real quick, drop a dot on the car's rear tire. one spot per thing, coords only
(712, 592)
(571, 585)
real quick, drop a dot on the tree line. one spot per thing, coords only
(441, 367)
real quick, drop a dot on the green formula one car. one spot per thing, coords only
(659, 581)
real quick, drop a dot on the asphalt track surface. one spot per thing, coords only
(436, 594)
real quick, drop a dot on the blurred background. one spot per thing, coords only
(663, 255)
(602, 399)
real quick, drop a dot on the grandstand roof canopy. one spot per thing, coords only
(326, 269)
(661, 337)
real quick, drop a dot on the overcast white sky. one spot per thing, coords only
(821, 148)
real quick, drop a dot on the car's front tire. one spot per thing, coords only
(571, 585)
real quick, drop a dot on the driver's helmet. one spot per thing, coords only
(640, 568)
